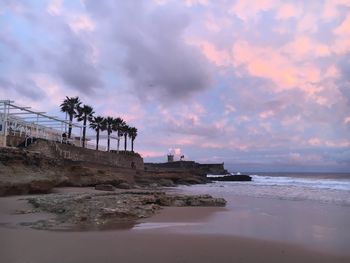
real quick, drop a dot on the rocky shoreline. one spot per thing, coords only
(121, 195)
(103, 210)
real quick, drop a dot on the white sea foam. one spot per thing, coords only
(303, 182)
(331, 191)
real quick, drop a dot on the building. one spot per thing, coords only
(21, 125)
(170, 158)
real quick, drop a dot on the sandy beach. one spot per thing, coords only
(173, 235)
(127, 246)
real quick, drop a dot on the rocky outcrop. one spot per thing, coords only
(97, 210)
(230, 178)
(23, 172)
(169, 178)
(40, 186)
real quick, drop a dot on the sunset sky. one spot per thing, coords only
(260, 85)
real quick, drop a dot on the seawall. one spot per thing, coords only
(69, 152)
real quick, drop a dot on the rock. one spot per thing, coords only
(191, 180)
(238, 177)
(104, 187)
(197, 200)
(41, 186)
(123, 186)
(32, 187)
(98, 209)
(166, 182)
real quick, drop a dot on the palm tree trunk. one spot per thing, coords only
(97, 139)
(125, 141)
(132, 145)
(84, 132)
(70, 125)
(118, 142)
(108, 141)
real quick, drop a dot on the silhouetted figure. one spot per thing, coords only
(64, 137)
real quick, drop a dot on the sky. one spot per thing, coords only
(259, 85)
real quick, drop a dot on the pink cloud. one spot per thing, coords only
(196, 2)
(347, 120)
(55, 7)
(332, 72)
(212, 145)
(243, 118)
(216, 56)
(314, 142)
(82, 23)
(303, 47)
(266, 62)
(266, 114)
(283, 66)
(215, 24)
(331, 8)
(344, 27)
(329, 143)
(286, 11)
(308, 23)
(299, 158)
(246, 10)
(150, 154)
(342, 42)
(229, 109)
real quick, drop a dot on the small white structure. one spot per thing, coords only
(27, 123)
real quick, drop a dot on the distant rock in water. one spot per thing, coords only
(229, 178)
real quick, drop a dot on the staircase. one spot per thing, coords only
(28, 141)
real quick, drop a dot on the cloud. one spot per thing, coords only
(24, 87)
(158, 62)
(251, 84)
(75, 66)
(245, 10)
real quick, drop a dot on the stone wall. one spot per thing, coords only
(2, 138)
(14, 140)
(215, 168)
(58, 150)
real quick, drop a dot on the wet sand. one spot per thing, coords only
(174, 235)
(127, 246)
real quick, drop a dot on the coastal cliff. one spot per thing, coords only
(45, 165)
(27, 172)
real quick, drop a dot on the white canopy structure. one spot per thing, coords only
(25, 122)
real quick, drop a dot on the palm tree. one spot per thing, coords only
(109, 123)
(125, 131)
(84, 114)
(118, 123)
(69, 106)
(98, 124)
(132, 136)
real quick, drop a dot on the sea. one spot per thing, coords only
(332, 188)
(307, 209)
(311, 210)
